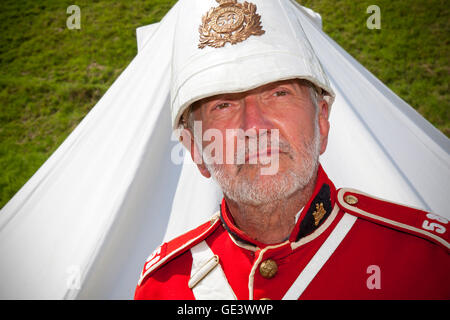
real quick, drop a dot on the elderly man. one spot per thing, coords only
(246, 72)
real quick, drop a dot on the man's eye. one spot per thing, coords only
(280, 93)
(222, 105)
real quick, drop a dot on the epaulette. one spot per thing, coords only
(173, 248)
(396, 216)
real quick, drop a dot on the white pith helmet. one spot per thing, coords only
(227, 46)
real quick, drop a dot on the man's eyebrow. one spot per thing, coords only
(224, 96)
(235, 95)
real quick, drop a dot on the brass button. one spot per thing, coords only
(351, 199)
(268, 268)
(265, 299)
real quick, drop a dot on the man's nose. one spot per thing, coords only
(254, 115)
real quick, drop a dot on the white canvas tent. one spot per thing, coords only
(84, 224)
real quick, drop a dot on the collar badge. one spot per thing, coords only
(319, 213)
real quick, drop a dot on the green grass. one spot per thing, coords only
(51, 76)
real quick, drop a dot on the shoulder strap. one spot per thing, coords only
(170, 250)
(400, 217)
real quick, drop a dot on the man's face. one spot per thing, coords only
(281, 110)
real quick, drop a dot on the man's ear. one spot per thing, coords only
(187, 139)
(324, 124)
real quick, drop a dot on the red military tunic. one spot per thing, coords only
(345, 245)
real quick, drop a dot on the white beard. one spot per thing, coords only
(266, 189)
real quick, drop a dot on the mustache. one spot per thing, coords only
(265, 145)
(247, 147)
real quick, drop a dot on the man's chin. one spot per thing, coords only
(261, 189)
(246, 185)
